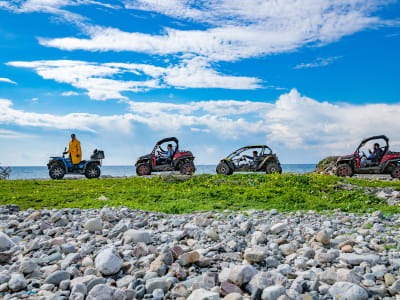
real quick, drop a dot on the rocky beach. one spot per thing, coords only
(125, 253)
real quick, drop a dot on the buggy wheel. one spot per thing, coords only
(273, 167)
(92, 171)
(344, 170)
(395, 172)
(57, 172)
(143, 169)
(187, 168)
(224, 169)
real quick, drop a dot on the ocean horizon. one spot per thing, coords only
(41, 172)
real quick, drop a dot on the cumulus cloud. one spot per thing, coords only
(319, 62)
(292, 121)
(7, 80)
(100, 82)
(234, 29)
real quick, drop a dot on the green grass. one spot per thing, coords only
(287, 192)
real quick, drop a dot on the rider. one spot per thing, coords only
(374, 157)
(74, 150)
(251, 158)
(168, 155)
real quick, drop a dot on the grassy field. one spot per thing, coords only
(287, 192)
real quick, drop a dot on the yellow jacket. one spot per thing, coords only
(75, 151)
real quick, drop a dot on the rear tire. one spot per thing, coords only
(395, 172)
(187, 168)
(92, 171)
(344, 170)
(57, 172)
(273, 167)
(223, 169)
(143, 169)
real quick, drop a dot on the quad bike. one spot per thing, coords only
(265, 161)
(60, 166)
(388, 163)
(182, 161)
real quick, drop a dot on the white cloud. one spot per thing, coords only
(54, 7)
(292, 121)
(99, 79)
(69, 93)
(319, 62)
(235, 29)
(35, 100)
(80, 121)
(7, 80)
(10, 134)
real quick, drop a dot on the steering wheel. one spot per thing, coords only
(363, 154)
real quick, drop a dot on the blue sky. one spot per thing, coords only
(308, 78)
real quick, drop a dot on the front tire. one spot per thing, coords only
(92, 171)
(223, 169)
(273, 167)
(143, 169)
(57, 172)
(344, 170)
(395, 172)
(187, 168)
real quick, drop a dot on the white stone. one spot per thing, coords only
(108, 261)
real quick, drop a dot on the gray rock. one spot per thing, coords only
(17, 282)
(254, 254)
(273, 292)
(202, 294)
(105, 292)
(357, 259)
(56, 277)
(108, 261)
(5, 242)
(277, 228)
(241, 274)
(348, 291)
(156, 283)
(137, 236)
(93, 225)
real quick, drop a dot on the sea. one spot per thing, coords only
(120, 171)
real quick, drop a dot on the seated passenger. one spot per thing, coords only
(167, 155)
(374, 157)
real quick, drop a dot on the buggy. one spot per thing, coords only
(182, 160)
(357, 163)
(264, 161)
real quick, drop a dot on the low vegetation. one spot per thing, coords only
(287, 192)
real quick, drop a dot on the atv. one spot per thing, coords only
(358, 163)
(59, 166)
(181, 161)
(262, 161)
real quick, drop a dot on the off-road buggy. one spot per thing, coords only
(388, 163)
(182, 160)
(59, 166)
(264, 161)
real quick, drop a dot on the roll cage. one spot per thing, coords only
(160, 142)
(240, 150)
(376, 137)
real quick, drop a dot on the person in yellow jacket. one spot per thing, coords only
(74, 150)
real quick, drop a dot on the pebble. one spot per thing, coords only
(122, 253)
